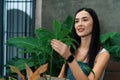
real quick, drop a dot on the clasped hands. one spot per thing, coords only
(61, 48)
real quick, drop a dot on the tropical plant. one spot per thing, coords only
(39, 46)
(111, 41)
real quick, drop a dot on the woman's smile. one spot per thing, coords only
(81, 29)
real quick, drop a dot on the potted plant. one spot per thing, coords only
(111, 41)
(40, 49)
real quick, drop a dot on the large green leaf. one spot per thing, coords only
(62, 34)
(114, 50)
(20, 63)
(68, 23)
(43, 33)
(66, 28)
(23, 42)
(105, 37)
(44, 37)
(56, 28)
(115, 40)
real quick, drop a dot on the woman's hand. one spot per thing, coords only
(61, 48)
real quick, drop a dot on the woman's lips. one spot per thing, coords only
(81, 29)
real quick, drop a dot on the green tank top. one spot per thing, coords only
(84, 67)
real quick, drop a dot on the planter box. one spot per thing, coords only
(112, 71)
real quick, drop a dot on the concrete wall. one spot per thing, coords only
(108, 12)
(38, 14)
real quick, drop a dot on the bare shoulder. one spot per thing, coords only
(104, 54)
(102, 59)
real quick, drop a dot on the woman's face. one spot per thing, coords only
(83, 23)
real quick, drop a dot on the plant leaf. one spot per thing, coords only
(115, 40)
(43, 33)
(57, 28)
(16, 70)
(29, 72)
(114, 51)
(68, 23)
(23, 42)
(20, 63)
(37, 73)
(105, 37)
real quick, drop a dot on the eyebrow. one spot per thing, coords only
(82, 18)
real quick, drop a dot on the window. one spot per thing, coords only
(18, 21)
(1, 37)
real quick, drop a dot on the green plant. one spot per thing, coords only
(39, 46)
(111, 41)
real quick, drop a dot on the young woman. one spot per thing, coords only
(86, 31)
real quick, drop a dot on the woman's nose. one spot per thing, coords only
(80, 23)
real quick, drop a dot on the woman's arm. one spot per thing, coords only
(78, 74)
(77, 71)
(100, 65)
(62, 72)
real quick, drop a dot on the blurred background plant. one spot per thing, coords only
(111, 41)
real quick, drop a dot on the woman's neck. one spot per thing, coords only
(82, 51)
(85, 42)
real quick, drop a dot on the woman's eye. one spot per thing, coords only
(85, 19)
(76, 21)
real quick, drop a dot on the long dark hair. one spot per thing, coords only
(95, 41)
